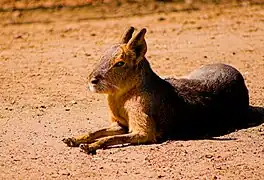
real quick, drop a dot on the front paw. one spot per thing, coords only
(71, 142)
(88, 149)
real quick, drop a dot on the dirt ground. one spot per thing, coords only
(46, 55)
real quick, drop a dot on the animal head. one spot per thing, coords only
(117, 68)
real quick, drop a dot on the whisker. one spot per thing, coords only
(109, 84)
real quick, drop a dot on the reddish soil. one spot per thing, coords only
(46, 55)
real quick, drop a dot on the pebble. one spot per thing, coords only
(18, 36)
(160, 176)
(43, 106)
(16, 14)
(162, 19)
(64, 172)
(73, 102)
(54, 175)
(208, 156)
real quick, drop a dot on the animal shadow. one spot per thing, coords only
(255, 118)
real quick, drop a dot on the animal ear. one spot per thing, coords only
(127, 35)
(138, 45)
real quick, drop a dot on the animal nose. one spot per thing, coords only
(94, 80)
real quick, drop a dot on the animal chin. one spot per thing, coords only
(92, 87)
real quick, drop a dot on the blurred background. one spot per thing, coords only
(106, 8)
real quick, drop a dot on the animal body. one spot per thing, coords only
(145, 108)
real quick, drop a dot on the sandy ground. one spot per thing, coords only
(46, 56)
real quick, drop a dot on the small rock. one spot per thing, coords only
(162, 19)
(160, 176)
(87, 54)
(208, 156)
(18, 36)
(16, 14)
(67, 109)
(67, 29)
(219, 168)
(93, 34)
(54, 175)
(205, 56)
(73, 102)
(65, 173)
(50, 30)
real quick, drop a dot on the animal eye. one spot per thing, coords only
(119, 64)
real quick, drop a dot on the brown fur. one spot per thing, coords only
(145, 108)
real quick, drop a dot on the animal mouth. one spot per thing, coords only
(102, 88)
(92, 87)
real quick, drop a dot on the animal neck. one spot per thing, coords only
(145, 71)
(146, 75)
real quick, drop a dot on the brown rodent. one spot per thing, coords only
(145, 108)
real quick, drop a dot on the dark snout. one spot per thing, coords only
(94, 80)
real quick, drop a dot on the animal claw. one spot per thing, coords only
(71, 142)
(88, 149)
